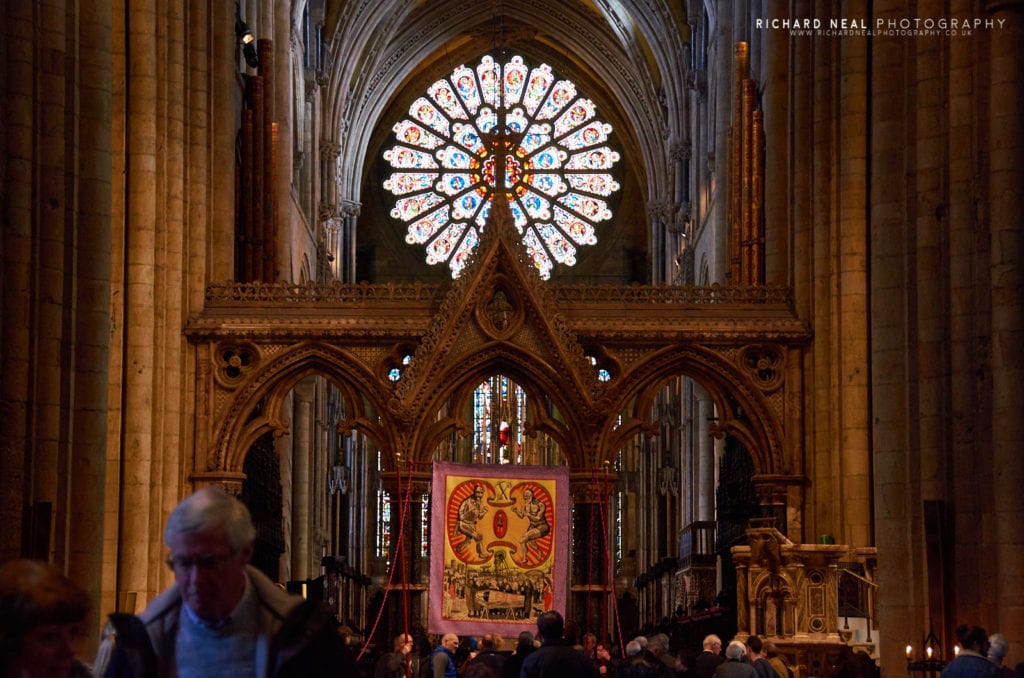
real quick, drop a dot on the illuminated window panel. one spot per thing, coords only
(492, 120)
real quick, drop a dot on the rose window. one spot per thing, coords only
(502, 125)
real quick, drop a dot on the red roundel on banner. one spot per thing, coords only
(500, 524)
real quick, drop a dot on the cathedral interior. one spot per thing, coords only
(750, 271)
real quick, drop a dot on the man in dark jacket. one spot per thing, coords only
(554, 659)
(708, 660)
(222, 616)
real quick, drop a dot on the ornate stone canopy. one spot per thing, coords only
(254, 342)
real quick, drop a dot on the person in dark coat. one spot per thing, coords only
(734, 666)
(514, 664)
(972, 662)
(707, 661)
(222, 615)
(555, 659)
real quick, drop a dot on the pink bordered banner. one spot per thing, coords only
(499, 547)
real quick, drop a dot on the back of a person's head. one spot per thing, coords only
(711, 640)
(550, 626)
(210, 508)
(735, 650)
(771, 649)
(998, 647)
(755, 644)
(633, 648)
(490, 641)
(972, 638)
(658, 644)
(33, 594)
(525, 643)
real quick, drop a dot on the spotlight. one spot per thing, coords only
(247, 39)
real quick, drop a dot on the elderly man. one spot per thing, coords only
(223, 617)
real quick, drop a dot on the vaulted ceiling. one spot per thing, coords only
(628, 57)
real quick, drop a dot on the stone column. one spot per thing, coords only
(142, 81)
(852, 463)
(302, 451)
(347, 256)
(705, 466)
(1006, 191)
(87, 469)
(776, 104)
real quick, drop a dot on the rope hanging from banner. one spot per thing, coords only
(404, 502)
(609, 582)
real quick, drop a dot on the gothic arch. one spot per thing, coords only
(265, 387)
(744, 412)
(542, 384)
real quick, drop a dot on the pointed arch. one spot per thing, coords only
(267, 387)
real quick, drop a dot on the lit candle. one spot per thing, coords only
(910, 651)
(928, 651)
(303, 590)
(956, 650)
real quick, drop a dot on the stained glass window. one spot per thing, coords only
(499, 409)
(502, 120)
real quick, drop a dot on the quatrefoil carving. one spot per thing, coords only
(234, 362)
(765, 364)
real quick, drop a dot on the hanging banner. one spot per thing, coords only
(498, 547)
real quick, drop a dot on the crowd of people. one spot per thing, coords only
(223, 617)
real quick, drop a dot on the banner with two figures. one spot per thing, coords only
(499, 547)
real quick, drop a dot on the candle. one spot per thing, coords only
(956, 650)
(928, 651)
(303, 590)
(910, 651)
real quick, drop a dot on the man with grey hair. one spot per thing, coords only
(734, 666)
(708, 660)
(222, 617)
(998, 648)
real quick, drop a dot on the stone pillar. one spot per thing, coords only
(302, 479)
(705, 466)
(347, 255)
(142, 81)
(87, 470)
(1006, 191)
(721, 69)
(852, 460)
(775, 102)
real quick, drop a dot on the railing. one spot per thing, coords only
(697, 545)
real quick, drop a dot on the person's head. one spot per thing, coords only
(735, 650)
(525, 643)
(771, 650)
(450, 642)
(633, 648)
(998, 648)
(658, 644)
(478, 492)
(210, 536)
(42, 618)
(490, 641)
(402, 643)
(973, 638)
(527, 495)
(755, 645)
(589, 642)
(713, 643)
(550, 626)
